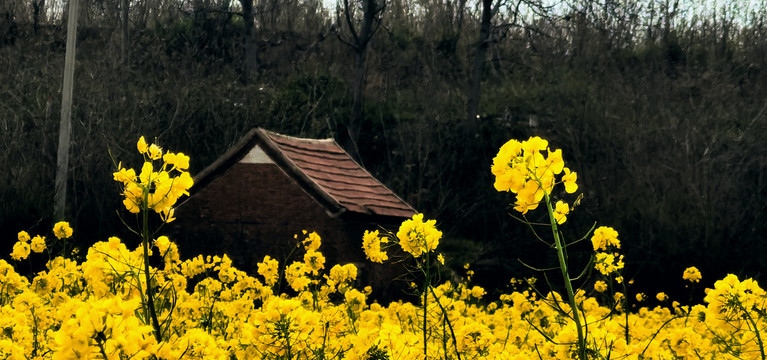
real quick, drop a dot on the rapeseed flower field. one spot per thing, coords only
(114, 305)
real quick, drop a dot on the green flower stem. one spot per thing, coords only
(427, 283)
(566, 277)
(149, 293)
(627, 334)
(35, 344)
(449, 325)
(752, 323)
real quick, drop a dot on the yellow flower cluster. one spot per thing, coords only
(295, 274)
(299, 275)
(418, 237)
(156, 190)
(605, 238)
(600, 286)
(93, 310)
(341, 275)
(692, 274)
(62, 230)
(269, 269)
(26, 244)
(523, 169)
(606, 259)
(21, 248)
(312, 240)
(372, 246)
(607, 263)
(737, 307)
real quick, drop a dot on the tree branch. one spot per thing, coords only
(347, 15)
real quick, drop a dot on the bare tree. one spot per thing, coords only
(362, 31)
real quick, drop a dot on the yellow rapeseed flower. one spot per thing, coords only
(20, 250)
(162, 243)
(605, 238)
(269, 270)
(355, 300)
(569, 179)
(23, 236)
(341, 274)
(38, 244)
(142, 146)
(371, 245)
(607, 263)
(155, 152)
(417, 236)
(124, 175)
(156, 190)
(477, 292)
(62, 230)
(178, 161)
(560, 212)
(314, 261)
(312, 241)
(522, 168)
(508, 177)
(692, 274)
(600, 286)
(295, 275)
(529, 196)
(534, 144)
(168, 214)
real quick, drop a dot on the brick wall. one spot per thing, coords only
(252, 210)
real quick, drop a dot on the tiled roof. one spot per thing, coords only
(323, 168)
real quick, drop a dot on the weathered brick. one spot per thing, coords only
(253, 210)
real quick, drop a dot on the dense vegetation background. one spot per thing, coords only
(659, 105)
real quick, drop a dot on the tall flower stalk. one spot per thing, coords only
(158, 191)
(418, 238)
(530, 170)
(568, 281)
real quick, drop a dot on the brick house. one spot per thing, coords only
(267, 187)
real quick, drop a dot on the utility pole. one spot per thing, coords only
(65, 129)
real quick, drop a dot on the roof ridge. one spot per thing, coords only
(308, 140)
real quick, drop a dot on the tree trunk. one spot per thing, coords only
(361, 38)
(355, 120)
(475, 85)
(38, 14)
(250, 65)
(65, 129)
(125, 4)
